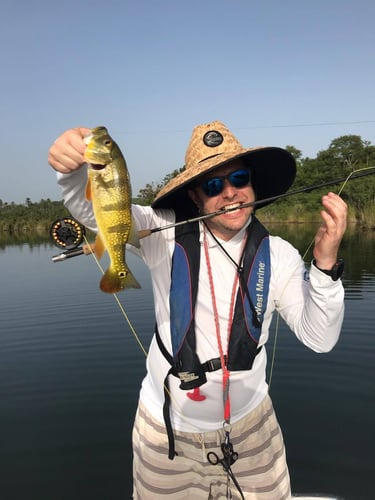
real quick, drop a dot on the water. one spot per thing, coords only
(70, 371)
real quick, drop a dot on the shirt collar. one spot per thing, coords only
(237, 238)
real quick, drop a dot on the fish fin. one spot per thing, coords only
(88, 190)
(99, 247)
(112, 282)
(133, 238)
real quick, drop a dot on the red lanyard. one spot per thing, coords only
(226, 373)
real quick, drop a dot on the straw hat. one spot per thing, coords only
(212, 145)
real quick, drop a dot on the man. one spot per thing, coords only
(216, 284)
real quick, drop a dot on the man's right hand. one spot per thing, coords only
(67, 153)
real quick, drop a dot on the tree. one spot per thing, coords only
(345, 153)
(170, 176)
(147, 194)
(296, 153)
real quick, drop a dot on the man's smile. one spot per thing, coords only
(231, 209)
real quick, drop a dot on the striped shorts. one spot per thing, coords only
(260, 469)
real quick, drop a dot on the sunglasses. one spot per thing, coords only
(238, 179)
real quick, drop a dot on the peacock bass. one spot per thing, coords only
(108, 188)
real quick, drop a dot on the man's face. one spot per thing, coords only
(226, 225)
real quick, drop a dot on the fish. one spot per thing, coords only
(109, 190)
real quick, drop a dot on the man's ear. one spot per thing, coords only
(194, 197)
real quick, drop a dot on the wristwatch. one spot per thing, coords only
(336, 272)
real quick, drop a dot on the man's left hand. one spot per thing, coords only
(331, 231)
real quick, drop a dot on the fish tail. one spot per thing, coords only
(114, 281)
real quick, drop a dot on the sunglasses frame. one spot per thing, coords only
(211, 190)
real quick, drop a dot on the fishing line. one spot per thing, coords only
(338, 193)
(132, 329)
(272, 364)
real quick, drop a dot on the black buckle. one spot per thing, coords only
(213, 364)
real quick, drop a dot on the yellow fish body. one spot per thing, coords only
(108, 188)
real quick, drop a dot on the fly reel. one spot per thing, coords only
(67, 233)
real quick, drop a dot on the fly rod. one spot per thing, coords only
(143, 233)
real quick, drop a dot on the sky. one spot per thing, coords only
(298, 73)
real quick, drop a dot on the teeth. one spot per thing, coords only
(232, 207)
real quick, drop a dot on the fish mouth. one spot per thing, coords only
(96, 166)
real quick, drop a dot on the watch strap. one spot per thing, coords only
(336, 272)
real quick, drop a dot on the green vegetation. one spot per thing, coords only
(344, 155)
(147, 194)
(36, 217)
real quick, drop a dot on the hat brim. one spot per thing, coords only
(273, 171)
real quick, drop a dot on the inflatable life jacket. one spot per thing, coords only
(251, 303)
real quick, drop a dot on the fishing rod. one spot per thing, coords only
(67, 233)
(143, 233)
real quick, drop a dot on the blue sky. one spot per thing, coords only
(277, 73)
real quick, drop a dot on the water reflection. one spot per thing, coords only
(357, 248)
(18, 239)
(70, 372)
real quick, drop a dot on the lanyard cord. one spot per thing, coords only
(240, 269)
(229, 456)
(226, 373)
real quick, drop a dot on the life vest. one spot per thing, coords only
(251, 303)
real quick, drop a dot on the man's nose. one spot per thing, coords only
(228, 190)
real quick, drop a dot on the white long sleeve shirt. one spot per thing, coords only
(312, 306)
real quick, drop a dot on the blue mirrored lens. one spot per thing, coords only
(214, 186)
(239, 178)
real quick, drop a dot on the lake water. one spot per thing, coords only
(70, 370)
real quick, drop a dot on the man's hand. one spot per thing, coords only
(331, 231)
(66, 153)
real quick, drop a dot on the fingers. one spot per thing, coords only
(335, 214)
(331, 232)
(67, 152)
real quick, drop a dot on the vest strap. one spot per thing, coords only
(167, 418)
(215, 363)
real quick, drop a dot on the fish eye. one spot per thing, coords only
(108, 142)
